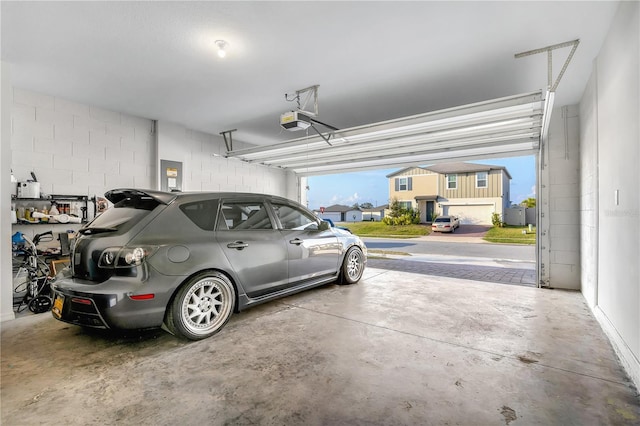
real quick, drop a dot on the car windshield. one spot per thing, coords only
(122, 216)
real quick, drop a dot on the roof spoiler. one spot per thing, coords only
(120, 194)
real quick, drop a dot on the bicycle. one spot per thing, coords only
(31, 274)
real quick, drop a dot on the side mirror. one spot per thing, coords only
(323, 225)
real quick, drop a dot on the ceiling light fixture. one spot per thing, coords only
(221, 48)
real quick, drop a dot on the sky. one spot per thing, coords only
(373, 186)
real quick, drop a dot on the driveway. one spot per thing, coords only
(464, 231)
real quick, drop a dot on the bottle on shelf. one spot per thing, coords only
(53, 211)
(45, 211)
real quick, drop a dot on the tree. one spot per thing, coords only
(529, 202)
(355, 206)
(366, 205)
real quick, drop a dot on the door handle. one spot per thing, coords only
(297, 241)
(238, 245)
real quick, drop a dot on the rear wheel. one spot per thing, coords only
(202, 306)
(352, 266)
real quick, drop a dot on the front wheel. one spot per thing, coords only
(352, 266)
(202, 306)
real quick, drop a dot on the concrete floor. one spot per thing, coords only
(398, 348)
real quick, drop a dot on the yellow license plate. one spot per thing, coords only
(57, 306)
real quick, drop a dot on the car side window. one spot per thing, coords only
(202, 213)
(243, 216)
(293, 218)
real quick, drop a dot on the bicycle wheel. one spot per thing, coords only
(40, 304)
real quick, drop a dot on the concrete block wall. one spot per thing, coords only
(206, 169)
(562, 158)
(78, 149)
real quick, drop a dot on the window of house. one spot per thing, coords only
(452, 181)
(406, 205)
(481, 179)
(403, 184)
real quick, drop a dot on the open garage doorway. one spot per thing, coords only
(509, 257)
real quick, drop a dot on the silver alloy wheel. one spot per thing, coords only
(354, 264)
(207, 305)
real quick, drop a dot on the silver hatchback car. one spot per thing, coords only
(189, 260)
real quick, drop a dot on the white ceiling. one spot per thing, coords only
(374, 61)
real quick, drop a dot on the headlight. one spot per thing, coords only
(125, 257)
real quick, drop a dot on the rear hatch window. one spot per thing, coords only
(443, 220)
(122, 216)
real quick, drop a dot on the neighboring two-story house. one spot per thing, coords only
(473, 192)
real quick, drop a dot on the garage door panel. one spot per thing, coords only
(471, 214)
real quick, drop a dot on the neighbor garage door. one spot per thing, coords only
(479, 214)
(334, 216)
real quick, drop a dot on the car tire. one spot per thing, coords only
(453, 229)
(202, 306)
(352, 266)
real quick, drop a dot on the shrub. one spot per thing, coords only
(400, 215)
(496, 220)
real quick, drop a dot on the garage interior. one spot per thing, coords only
(92, 101)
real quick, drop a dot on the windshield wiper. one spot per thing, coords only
(86, 231)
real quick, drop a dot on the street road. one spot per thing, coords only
(498, 263)
(458, 249)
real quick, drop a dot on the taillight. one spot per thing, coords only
(125, 257)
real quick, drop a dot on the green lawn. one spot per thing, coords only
(506, 235)
(511, 235)
(379, 229)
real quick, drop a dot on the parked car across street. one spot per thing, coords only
(189, 260)
(445, 224)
